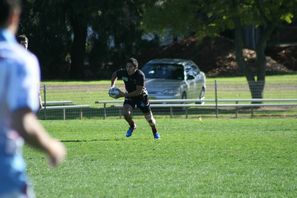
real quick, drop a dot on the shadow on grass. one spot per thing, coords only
(91, 140)
(99, 140)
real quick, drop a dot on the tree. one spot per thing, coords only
(57, 29)
(210, 17)
(106, 19)
(49, 36)
(64, 34)
(118, 33)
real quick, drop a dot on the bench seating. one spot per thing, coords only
(57, 103)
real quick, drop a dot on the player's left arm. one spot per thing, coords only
(27, 125)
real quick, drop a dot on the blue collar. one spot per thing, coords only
(7, 36)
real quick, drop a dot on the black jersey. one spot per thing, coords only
(136, 79)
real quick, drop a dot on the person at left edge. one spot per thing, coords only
(19, 85)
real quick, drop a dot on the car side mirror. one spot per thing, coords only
(190, 77)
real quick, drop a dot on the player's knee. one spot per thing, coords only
(126, 114)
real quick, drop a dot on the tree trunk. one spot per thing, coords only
(78, 48)
(257, 82)
(254, 72)
(248, 69)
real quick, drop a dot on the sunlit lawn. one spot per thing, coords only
(194, 158)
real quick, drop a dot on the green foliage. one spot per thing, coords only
(58, 34)
(212, 17)
(287, 17)
(206, 158)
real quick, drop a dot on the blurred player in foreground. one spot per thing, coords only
(19, 85)
(136, 95)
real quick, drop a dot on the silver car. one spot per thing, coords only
(174, 79)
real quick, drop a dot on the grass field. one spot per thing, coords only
(194, 158)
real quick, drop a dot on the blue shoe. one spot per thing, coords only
(130, 131)
(157, 136)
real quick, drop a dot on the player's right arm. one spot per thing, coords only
(114, 78)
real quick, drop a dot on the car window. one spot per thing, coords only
(166, 71)
(192, 70)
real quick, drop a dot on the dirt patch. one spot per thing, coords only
(287, 55)
(227, 66)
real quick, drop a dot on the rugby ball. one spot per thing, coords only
(114, 92)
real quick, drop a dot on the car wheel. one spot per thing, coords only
(184, 96)
(201, 95)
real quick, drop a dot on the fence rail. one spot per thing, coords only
(223, 98)
(216, 104)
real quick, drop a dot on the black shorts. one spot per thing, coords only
(141, 102)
